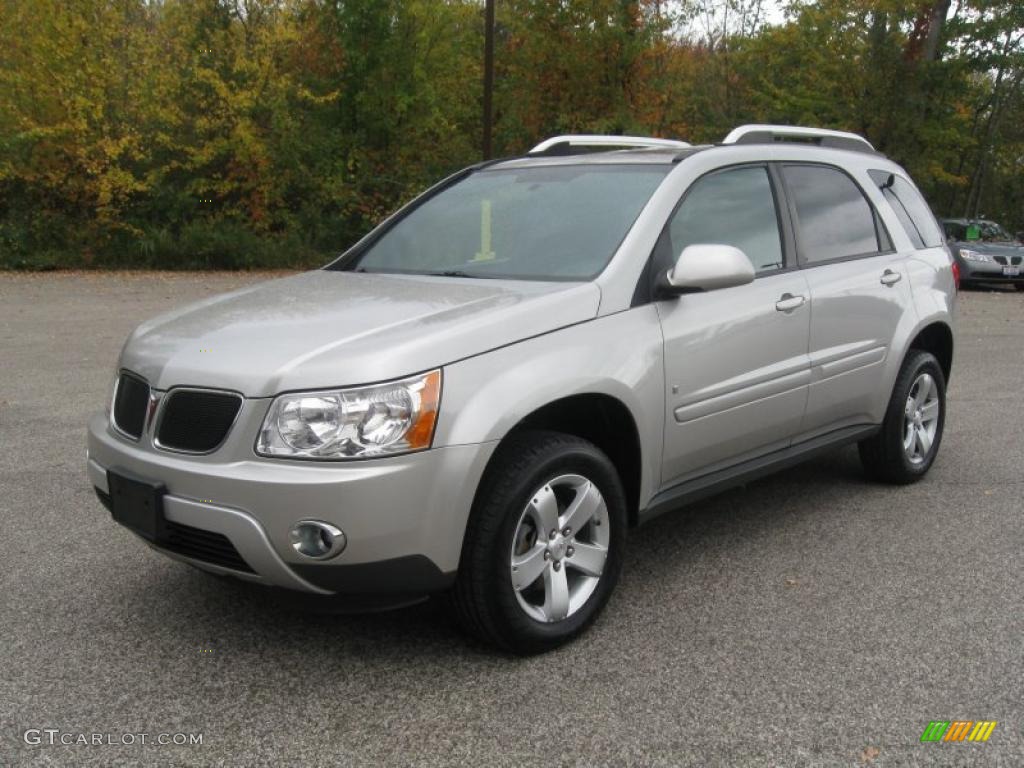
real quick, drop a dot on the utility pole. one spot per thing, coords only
(488, 77)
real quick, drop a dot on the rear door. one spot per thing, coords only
(859, 292)
(736, 366)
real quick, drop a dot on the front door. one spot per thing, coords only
(736, 364)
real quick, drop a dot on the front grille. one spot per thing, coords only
(210, 547)
(196, 421)
(1008, 260)
(130, 405)
(1000, 259)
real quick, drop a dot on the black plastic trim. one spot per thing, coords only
(701, 487)
(409, 575)
(104, 499)
(203, 546)
(787, 224)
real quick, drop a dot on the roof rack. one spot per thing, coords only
(563, 145)
(823, 137)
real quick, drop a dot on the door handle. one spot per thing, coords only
(889, 277)
(788, 302)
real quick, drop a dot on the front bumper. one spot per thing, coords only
(403, 516)
(984, 272)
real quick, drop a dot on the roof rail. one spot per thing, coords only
(563, 145)
(823, 137)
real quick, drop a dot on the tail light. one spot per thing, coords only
(956, 275)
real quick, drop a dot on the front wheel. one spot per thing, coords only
(905, 447)
(543, 549)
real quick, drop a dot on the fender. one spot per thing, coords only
(934, 296)
(619, 355)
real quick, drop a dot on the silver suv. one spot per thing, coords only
(484, 394)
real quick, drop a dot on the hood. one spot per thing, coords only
(328, 329)
(1008, 248)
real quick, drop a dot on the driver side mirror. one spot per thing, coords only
(707, 268)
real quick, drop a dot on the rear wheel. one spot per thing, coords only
(905, 447)
(543, 549)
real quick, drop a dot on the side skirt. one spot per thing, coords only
(708, 485)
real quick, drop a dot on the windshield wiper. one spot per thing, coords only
(439, 273)
(456, 273)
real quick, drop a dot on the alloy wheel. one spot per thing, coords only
(559, 548)
(921, 418)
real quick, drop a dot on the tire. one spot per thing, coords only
(1019, 286)
(534, 478)
(885, 455)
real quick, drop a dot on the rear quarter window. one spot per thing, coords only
(910, 208)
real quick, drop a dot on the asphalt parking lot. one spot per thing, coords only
(809, 619)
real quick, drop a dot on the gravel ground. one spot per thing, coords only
(807, 619)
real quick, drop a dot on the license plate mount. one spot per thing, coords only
(137, 504)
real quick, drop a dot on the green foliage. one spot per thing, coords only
(245, 133)
(191, 133)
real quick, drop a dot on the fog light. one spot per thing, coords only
(317, 540)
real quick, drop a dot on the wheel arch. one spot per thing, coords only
(600, 418)
(936, 337)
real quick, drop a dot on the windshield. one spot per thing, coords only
(992, 231)
(977, 230)
(548, 223)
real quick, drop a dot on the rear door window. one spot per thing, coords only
(834, 219)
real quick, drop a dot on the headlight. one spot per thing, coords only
(381, 420)
(970, 255)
